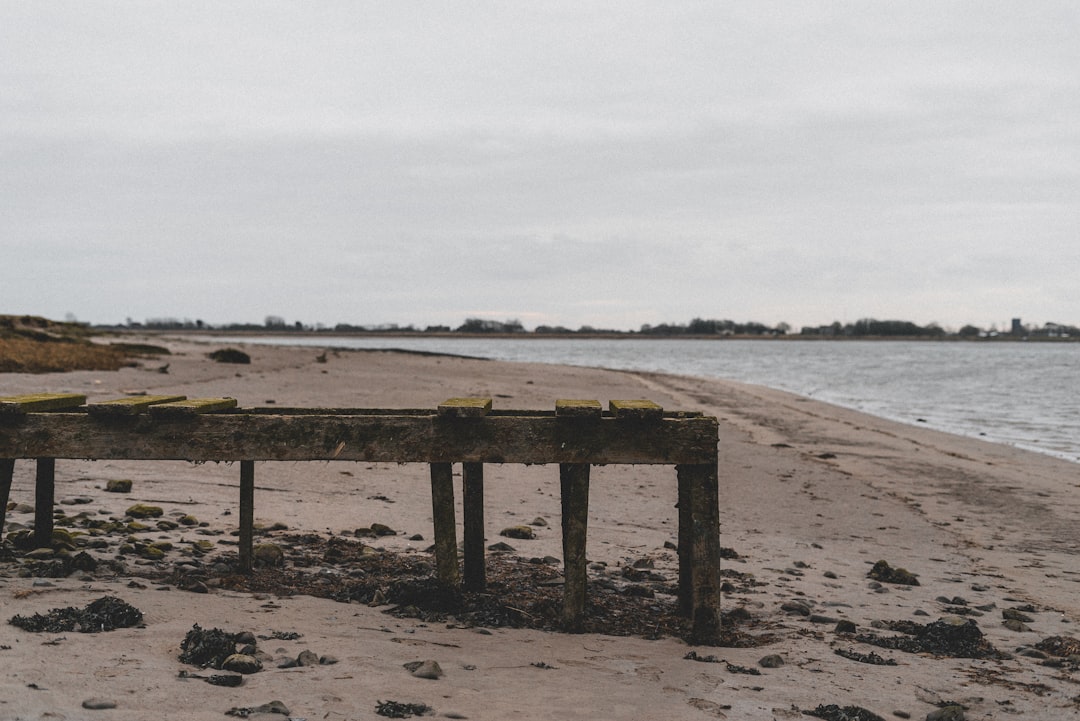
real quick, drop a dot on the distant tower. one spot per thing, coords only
(1017, 327)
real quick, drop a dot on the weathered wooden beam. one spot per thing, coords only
(39, 402)
(574, 482)
(702, 484)
(465, 408)
(247, 514)
(130, 406)
(472, 481)
(190, 407)
(638, 410)
(576, 417)
(44, 496)
(574, 408)
(7, 472)
(445, 529)
(240, 436)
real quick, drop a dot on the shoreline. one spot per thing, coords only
(812, 496)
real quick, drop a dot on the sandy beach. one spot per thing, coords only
(812, 496)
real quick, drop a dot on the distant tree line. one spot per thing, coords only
(697, 327)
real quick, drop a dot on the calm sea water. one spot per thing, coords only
(1019, 394)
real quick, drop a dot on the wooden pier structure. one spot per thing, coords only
(576, 435)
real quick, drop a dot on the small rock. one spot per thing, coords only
(954, 712)
(98, 704)
(328, 660)
(427, 669)
(307, 658)
(1015, 614)
(118, 486)
(885, 573)
(539, 521)
(519, 532)
(142, 510)
(1016, 625)
(381, 529)
(846, 627)
(796, 607)
(40, 554)
(501, 547)
(773, 660)
(241, 663)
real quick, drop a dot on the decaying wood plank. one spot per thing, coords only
(44, 498)
(129, 406)
(465, 407)
(38, 402)
(472, 482)
(701, 483)
(191, 407)
(390, 439)
(640, 410)
(572, 408)
(7, 472)
(445, 530)
(574, 483)
(247, 514)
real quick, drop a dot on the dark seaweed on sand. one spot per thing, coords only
(832, 712)
(104, 614)
(204, 648)
(940, 638)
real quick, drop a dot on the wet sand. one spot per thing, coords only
(811, 497)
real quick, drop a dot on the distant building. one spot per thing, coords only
(1017, 327)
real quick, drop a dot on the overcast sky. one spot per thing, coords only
(559, 162)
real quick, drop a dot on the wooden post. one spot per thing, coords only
(574, 487)
(7, 471)
(686, 543)
(442, 516)
(473, 499)
(459, 410)
(44, 495)
(247, 514)
(574, 479)
(702, 484)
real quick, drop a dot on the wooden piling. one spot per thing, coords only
(247, 514)
(7, 471)
(702, 484)
(442, 516)
(473, 499)
(44, 498)
(574, 480)
(575, 416)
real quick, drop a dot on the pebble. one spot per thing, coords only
(948, 713)
(796, 607)
(428, 669)
(307, 658)
(773, 660)
(241, 663)
(98, 704)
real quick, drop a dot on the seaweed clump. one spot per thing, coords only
(105, 614)
(955, 638)
(204, 648)
(832, 712)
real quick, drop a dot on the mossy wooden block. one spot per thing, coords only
(573, 408)
(465, 407)
(637, 410)
(37, 402)
(130, 406)
(191, 407)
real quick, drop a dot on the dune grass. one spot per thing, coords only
(31, 344)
